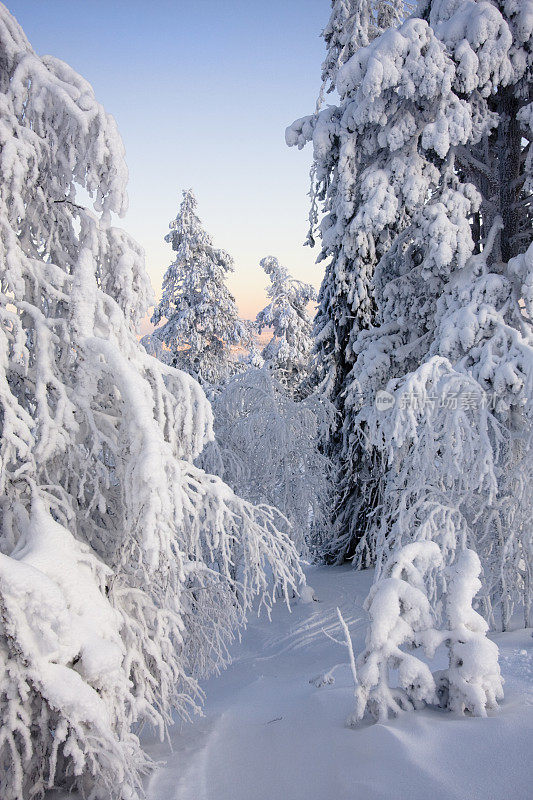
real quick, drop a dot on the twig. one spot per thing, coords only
(349, 645)
(71, 203)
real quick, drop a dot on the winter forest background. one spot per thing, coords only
(159, 490)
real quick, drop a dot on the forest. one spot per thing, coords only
(347, 478)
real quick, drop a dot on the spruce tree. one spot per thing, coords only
(452, 332)
(288, 352)
(202, 323)
(351, 248)
(427, 173)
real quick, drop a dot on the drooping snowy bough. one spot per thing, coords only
(266, 448)
(116, 582)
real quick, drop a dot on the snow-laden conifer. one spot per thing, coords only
(344, 176)
(472, 683)
(400, 619)
(406, 626)
(288, 352)
(117, 588)
(201, 320)
(426, 169)
(452, 325)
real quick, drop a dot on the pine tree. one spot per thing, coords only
(400, 617)
(288, 352)
(116, 589)
(431, 146)
(202, 321)
(472, 683)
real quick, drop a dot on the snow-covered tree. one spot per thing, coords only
(472, 683)
(453, 326)
(351, 25)
(288, 352)
(404, 624)
(66, 707)
(201, 320)
(116, 586)
(426, 168)
(266, 449)
(351, 246)
(400, 616)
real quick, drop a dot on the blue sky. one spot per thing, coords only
(202, 92)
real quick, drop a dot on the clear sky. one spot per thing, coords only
(202, 92)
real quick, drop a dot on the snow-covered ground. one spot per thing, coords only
(268, 734)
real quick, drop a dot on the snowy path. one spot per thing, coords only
(268, 734)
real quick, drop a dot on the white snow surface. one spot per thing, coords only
(268, 733)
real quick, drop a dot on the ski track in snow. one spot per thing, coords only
(268, 734)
